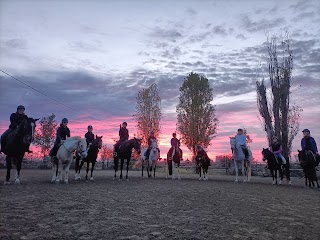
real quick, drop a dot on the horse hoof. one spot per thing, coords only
(244, 181)
(290, 183)
(236, 180)
(6, 183)
(200, 178)
(273, 183)
(91, 179)
(179, 178)
(17, 181)
(57, 181)
(66, 181)
(280, 183)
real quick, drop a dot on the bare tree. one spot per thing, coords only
(148, 112)
(278, 117)
(197, 122)
(45, 135)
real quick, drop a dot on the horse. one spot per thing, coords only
(152, 161)
(239, 157)
(16, 144)
(65, 156)
(308, 163)
(124, 152)
(273, 164)
(203, 163)
(173, 161)
(91, 158)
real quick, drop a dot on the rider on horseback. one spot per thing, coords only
(241, 140)
(151, 138)
(89, 136)
(15, 120)
(309, 144)
(276, 148)
(62, 133)
(123, 134)
(174, 143)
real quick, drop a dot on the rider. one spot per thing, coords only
(151, 138)
(123, 134)
(89, 136)
(276, 148)
(309, 144)
(175, 142)
(62, 133)
(202, 153)
(15, 120)
(241, 140)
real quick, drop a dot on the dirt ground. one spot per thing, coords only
(156, 208)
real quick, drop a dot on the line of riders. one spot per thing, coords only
(63, 132)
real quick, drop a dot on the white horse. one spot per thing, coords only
(151, 162)
(153, 158)
(65, 155)
(239, 157)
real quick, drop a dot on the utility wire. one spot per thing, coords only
(57, 101)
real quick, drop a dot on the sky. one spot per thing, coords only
(94, 56)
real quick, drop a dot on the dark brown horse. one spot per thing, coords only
(16, 145)
(124, 152)
(91, 158)
(174, 157)
(308, 163)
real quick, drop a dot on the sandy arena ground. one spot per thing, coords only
(156, 208)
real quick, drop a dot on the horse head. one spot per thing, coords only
(232, 142)
(97, 142)
(26, 129)
(265, 154)
(82, 148)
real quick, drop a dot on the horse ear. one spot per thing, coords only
(101, 136)
(36, 119)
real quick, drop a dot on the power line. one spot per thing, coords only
(55, 100)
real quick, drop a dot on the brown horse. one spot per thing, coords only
(174, 157)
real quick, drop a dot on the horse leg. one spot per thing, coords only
(59, 171)
(128, 162)
(121, 167)
(243, 171)
(66, 171)
(172, 165)
(142, 168)
(154, 171)
(272, 174)
(18, 165)
(200, 169)
(148, 168)
(236, 169)
(92, 167)
(87, 170)
(281, 175)
(9, 167)
(178, 169)
(79, 170)
(116, 163)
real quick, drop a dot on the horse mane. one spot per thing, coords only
(75, 138)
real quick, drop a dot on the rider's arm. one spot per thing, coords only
(314, 145)
(279, 151)
(13, 120)
(59, 135)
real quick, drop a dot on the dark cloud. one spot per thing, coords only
(171, 35)
(241, 36)
(219, 30)
(18, 43)
(264, 24)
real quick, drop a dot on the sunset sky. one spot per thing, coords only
(94, 56)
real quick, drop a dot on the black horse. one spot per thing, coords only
(124, 152)
(177, 156)
(308, 163)
(273, 164)
(91, 158)
(203, 164)
(16, 145)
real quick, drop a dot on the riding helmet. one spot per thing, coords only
(306, 130)
(21, 107)
(125, 123)
(90, 127)
(174, 134)
(64, 120)
(240, 129)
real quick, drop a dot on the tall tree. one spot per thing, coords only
(279, 117)
(45, 135)
(148, 112)
(197, 122)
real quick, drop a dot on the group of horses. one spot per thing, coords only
(24, 135)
